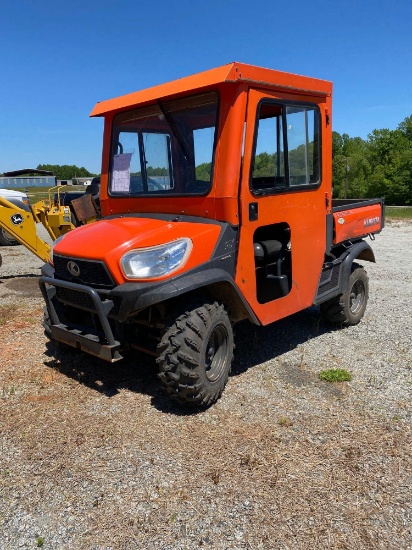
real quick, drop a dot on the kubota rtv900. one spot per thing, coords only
(216, 196)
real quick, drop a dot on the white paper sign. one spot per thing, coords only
(121, 173)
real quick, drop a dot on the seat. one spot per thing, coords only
(268, 253)
(271, 283)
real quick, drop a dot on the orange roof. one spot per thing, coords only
(233, 72)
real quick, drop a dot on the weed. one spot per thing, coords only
(215, 475)
(40, 542)
(249, 460)
(173, 518)
(284, 421)
(7, 312)
(8, 391)
(335, 375)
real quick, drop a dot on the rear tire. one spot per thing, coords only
(348, 309)
(195, 355)
(6, 239)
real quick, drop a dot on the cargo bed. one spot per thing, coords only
(356, 218)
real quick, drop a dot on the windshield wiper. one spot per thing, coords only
(175, 130)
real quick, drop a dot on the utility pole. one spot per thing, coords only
(347, 168)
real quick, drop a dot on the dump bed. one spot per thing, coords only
(354, 218)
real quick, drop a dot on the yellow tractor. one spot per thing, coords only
(19, 220)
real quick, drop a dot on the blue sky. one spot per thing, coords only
(57, 59)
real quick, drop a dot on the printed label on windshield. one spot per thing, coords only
(121, 173)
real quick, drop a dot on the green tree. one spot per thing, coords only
(204, 171)
(390, 157)
(66, 172)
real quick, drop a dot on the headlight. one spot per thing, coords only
(53, 245)
(155, 261)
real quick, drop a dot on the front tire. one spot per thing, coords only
(195, 355)
(348, 309)
(6, 239)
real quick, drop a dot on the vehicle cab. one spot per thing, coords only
(242, 145)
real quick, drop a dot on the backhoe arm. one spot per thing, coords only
(21, 224)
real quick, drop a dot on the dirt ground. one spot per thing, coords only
(94, 456)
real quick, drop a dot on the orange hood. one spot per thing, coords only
(109, 239)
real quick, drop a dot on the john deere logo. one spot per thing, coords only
(16, 219)
(73, 268)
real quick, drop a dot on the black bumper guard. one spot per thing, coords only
(96, 343)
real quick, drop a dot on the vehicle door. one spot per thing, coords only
(282, 204)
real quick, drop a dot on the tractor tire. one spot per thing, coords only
(6, 239)
(348, 309)
(195, 355)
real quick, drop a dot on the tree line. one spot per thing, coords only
(380, 166)
(65, 171)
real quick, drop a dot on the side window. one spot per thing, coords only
(269, 159)
(303, 145)
(286, 147)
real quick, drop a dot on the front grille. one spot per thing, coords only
(83, 300)
(74, 298)
(92, 273)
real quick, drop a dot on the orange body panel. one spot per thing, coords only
(304, 212)
(108, 240)
(357, 222)
(232, 72)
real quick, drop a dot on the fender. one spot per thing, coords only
(359, 251)
(216, 282)
(134, 297)
(335, 275)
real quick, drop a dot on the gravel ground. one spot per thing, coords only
(95, 456)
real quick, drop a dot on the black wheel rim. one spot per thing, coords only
(216, 353)
(357, 297)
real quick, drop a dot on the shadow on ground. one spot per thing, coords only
(138, 372)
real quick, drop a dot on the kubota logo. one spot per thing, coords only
(371, 221)
(73, 268)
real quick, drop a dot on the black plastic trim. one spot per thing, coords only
(93, 341)
(135, 297)
(339, 205)
(329, 232)
(338, 284)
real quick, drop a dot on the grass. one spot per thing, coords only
(398, 212)
(335, 375)
(42, 193)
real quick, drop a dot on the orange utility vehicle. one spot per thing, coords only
(216, 196)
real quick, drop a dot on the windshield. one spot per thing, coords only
(165, 149)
